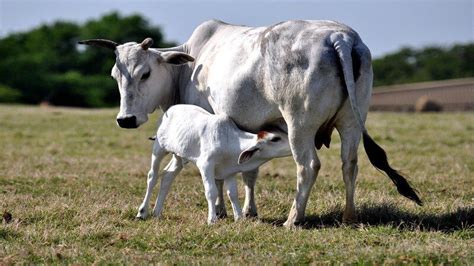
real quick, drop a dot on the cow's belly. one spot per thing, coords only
(244, 101)
(250, 116)
(235, 89)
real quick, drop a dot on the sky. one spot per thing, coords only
(384, 25)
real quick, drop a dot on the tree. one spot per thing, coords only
(430, 63)
(46, 64)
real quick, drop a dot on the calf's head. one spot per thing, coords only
(267, 145)
(144, 77)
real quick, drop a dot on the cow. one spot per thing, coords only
(309, 77)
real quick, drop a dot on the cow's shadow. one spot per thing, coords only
(386, 214)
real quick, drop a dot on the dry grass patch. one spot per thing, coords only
(73, 180)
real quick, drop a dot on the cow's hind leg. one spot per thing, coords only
(307, 167)
(250, 208)
(157, 156)
(350, 138)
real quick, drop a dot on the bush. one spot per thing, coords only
(9, 95)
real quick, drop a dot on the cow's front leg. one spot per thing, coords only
(220, 202)
(249, 178)
(210, 189)
(307, 167)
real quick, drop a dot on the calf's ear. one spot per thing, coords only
(247, 154)
(176, 58)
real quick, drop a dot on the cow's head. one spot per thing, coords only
(144, 78)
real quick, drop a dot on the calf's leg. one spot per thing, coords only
(232, 193)
(210, 189)
(156, 157)
(250, 209)
(170, 172)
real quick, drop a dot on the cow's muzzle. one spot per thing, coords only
(127, 122)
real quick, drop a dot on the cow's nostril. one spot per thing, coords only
(127, 122)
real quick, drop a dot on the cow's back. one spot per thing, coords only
(249, 73)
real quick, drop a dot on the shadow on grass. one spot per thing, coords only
(387, 214)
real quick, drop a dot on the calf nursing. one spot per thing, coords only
(217, 147)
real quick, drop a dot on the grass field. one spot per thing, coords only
(73, 180)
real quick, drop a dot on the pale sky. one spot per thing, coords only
(384, 25)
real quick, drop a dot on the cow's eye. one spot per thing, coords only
(275, 139)
(145, 76)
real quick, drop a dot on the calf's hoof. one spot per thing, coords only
(212, 221)
(141, 215)
(238, 218)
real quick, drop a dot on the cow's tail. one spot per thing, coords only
(343, 44)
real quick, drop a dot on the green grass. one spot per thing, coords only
(73, 181)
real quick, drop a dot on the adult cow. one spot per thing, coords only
(312, 75)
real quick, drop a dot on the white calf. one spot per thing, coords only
(217, 147)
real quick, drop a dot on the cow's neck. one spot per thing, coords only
(177, 85)
(181, 92)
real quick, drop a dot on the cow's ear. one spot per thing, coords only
(176, 58)
(247, 154)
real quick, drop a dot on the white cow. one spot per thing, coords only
(312, 75)
(218, 148)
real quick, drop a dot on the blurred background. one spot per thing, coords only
(431, 42)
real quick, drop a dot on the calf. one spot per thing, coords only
(217, 147)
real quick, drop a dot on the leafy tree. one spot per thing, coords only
(430, 63)
(46, 63)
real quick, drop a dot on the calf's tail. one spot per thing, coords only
(343, 44)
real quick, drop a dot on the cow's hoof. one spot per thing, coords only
(290, 224)
(221, 214)
(294, 223)
(250, 215)
(349, 220)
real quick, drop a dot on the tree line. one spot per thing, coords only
(46, 64)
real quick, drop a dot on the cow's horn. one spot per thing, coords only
(100, 43)
(147, 43)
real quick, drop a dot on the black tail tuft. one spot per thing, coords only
(378, 158)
